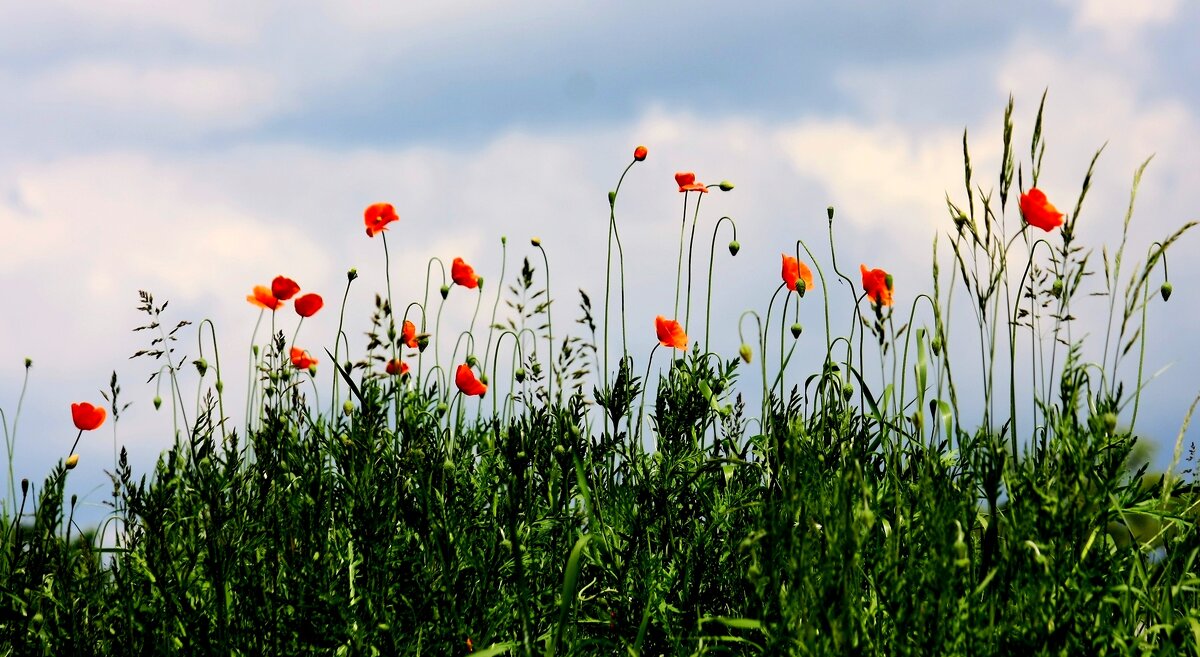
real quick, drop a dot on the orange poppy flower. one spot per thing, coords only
(670, 333)
(877, 283)
(794, 271)
(640, 153)
(377, 216)
(396, 367)
(87, 417)
(301, 359)
(463, 274)
(408, 335)
(465, 379)
(309, 304)
(687, 182)
(1038, 211)
(263, 298)
(284, 288)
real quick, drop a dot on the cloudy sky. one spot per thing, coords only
(197, 149)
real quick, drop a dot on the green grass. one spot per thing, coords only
(848, 513)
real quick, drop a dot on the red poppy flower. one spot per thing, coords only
(86, 416)
(794, 271)
(396, 367)
(301, 359)
(284, 288)
(877, 283)
(1039, 212)
(465, 379)
(463, 274)
(670, 333)
(640, 153)
(263, 298)
(378, 216)
(408, 335)
(309, 304)
(687, 182)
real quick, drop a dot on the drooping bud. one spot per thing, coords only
(847, 391)
(536, 242)
(936, 344)
(519, 375)
(1110, 421)
(483, 379)
(734, 247)
(725, 186)
(1165, 290)
(312, 369)
(472, 361)
(442, 408)
(745, 352)
(157, 402)
(72, 461)
(797, 330)
(422, 341)
(612, 198)
(445, 291)
(1056, 288)
(220, 386)
(201, 366)
(348, 407)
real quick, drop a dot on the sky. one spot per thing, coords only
(195, 150)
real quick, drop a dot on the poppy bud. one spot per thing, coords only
(201, 365)
(1165, 290)
(536, 241)
(640, 153)
(392, 332)
(348, 407)
(72, 461)
(352, 274)
(254, 350)
(442, 408)
(829, 212)
(28, 362)
(445, 291)
(312, 369)
(725, 186)
(797, 330)
(745, 352)
(24, 486)
(479, 283)
(74, 500)
(503, 240)
(936, 344)
(422, 342)
(519, 374)
(612, 198)
(734, 247)
(472, 361)
(220, 386)
(157, 402)
(847, 391)
(1110, 421)
(1056, 288)
(483, 379)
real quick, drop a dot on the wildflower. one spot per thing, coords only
(301, 359)
(263, 298)
(734, 247)
(1166, 290)
(687, 182)
(795, 271)
(465, 379)
(745, 352)
(408, 335)
(309, 304)
(1039, 212)
(378, 216)
(284, 288)
(640, 153)
(86, 416)
(396, 367)
(463, 274)
(670, 333)
(72, 461)
(877, 283)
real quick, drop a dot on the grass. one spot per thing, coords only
(589, 510)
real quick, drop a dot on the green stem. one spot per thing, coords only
(711, 254)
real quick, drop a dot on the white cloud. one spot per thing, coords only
(1120, 21)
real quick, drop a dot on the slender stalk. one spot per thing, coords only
(711, 253)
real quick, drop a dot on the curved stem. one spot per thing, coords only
(550, 329)
(711, 251)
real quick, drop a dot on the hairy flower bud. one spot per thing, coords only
(745, 352)
(157, 402)
(445, 291)
(725, 186)
(1165, 290)
(797, 330)
(734, 247)
(72, 461)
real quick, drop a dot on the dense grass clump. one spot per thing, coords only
(572, 511)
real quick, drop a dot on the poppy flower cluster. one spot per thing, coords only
(794, 272)
(670, 333)
(1038, 211)
(377, 216)
(463, 274)
(878, 285)
(282, 289)
(470, 386)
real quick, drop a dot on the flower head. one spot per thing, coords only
(301, 360)
(377, 216)
(463, 274)
(465, 379)
(86, 416)
(263, 298)
(670, 333)
(408, 335)
(795, 271)
(309, 304)
(640, 153)
(284, 288)
(877, 283)
(1038, 211)
(687, 182)
(396, 367)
